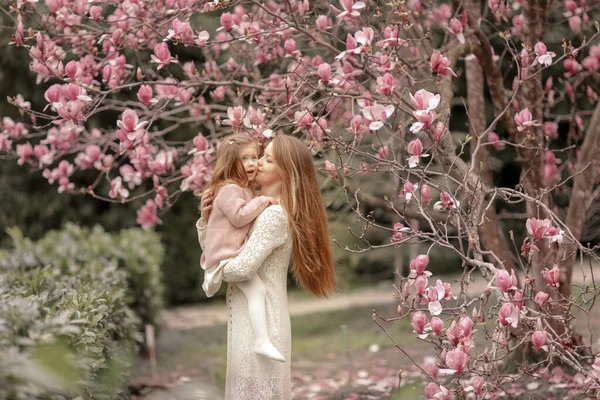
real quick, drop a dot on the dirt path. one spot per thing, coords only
(188, 317)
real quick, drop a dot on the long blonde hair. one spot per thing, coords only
(312, 263)
(229, 167)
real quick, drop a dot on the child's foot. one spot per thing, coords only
(268, 350)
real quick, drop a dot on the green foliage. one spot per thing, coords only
(138, 253)
(65, 332)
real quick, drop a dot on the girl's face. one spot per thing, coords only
(249, 156)
(267, 170)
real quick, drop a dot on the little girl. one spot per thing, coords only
(233, 210)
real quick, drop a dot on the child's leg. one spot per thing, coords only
(255, 292)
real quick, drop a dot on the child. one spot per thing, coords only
(233, 210)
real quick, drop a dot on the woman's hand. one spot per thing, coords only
(272, 201)
(205, 207)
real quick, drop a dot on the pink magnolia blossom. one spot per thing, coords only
(494, 139)
(96, 13)
(421, 283)
(304, 119)
(24, 151)
(541, 298)
(324, 71)
(432, 368)
(431, 390)
(145, 95)
(377, 114)
(385, 84)
(419, 322)
(15, 130)
(409, 191)
(477, 385)
(518, 299)
(466, 326)
(392, 38)
(235, 117)
(572, 67)
(437, 326)
(61, 175)
(525, 120)
(349, 9)
(88, 158)
(201, 145)
(147, 215)
(419, 264)
(5, 143)
(129, 123)
(117, 190)
(162, 55)
(323, 23)
(383, 152)
(415, 149)
(456, 27)
(331, 169)
(424, 100)
(538, 227)
(71, 69)
(399, 233)
(446, 203)
(363, 38)
(226, 21)
(539, 339)
(552, 276)
(439, 129)
(163, 163)
(131, 176)
(190, 69)
(457, 360)
(453, 333)
(292, 50)
(19, 34)
(181, 32)
(509, 315)
(544, 56)
(202, 38)
(575, 23)
(424, 120)
(505, 281)
(551, 129)
(440, 64)
(434, 295)
(357, 126)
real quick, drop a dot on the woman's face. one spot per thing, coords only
(267, 169)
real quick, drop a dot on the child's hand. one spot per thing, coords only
(272, 201)
(205, 206)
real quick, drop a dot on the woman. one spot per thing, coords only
(295, 230)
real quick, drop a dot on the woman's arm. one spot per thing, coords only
(270, 231)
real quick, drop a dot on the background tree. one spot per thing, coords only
(138, 94)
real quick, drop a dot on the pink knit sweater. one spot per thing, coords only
(229, 222)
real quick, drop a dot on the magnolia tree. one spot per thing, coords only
(369, 86)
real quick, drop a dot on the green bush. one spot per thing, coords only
(65, 333)
(137, 252)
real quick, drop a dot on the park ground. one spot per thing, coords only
(338, 351)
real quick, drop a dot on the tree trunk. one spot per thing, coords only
(490, 231)
(583, 185)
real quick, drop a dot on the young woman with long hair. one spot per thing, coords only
(294, 230)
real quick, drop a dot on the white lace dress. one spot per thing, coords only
(268, 253)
